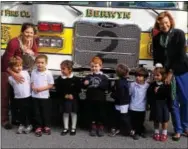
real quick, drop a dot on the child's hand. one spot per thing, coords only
(86, 82)
(66, 96)
(30, 52)
(71, 97)
(156, 89)
(147, 108)
(35, 90)
(40, 89)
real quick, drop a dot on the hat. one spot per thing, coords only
(158, 65)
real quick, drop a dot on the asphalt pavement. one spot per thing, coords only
(9, 139)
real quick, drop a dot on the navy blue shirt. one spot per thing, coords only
(120, 92)
(175, 52)
(98, 84)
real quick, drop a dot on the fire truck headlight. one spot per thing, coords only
(44, 42)
(56, 42)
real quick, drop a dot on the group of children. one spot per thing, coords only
(31, 96)
(131, 99)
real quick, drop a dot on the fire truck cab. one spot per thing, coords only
(118, 32)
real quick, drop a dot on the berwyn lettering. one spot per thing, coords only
(107, 14)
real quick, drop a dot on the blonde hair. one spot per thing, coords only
(14, 61)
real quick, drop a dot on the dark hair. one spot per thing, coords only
(141, 71)
(122, 70)
(161, 16)
(42, 56)
(14, 61)
(68, 64)
(28, 25)
(162, 71)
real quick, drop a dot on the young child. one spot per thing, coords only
(120, 93)
(96, 84)
(41, 81)
(22, 95)
(159, 99)
(151, 78)
(138, 90)
(68, 88)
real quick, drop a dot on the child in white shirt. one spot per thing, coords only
(138, 90)
(41, 81)
(22, 95)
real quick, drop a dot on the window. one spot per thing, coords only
(158, 4)
(143, 4)
(74, 3)
(87, 3)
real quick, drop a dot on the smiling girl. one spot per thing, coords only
(159, 99)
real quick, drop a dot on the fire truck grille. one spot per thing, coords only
(113, 43)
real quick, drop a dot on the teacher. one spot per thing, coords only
(169, 48)
(24, 46)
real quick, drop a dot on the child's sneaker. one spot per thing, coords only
(163, 137)
(143, 135)
(73, 132)
(156, 137)
(28, 129)
(132, 132)
(7, 125)
(93, 131)
(21, 129)
(114, 132)
(38, 132)
(100, 131)
(136, 137)
(47, 131)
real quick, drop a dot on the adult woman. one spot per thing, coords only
(24, 46)
(169, 49)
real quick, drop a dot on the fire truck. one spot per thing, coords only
(118, 32)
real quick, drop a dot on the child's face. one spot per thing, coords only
(17, 68)
(140, 79)
(65, 71)
(157, 77)
(41, 64)
(95, 67)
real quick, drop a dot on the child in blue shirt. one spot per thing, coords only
(120, 93)
(96, 84)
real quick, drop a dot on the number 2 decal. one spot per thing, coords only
(112, 46)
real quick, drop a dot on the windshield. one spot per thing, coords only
(73, 3)
(142, 4)
(87, 3)
(116, 4)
